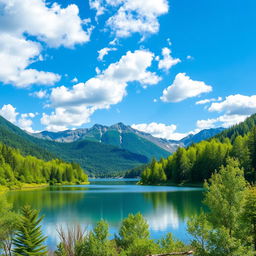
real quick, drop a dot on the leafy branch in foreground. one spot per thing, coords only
(29, 239)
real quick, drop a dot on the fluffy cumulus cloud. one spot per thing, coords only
(53, 25)
(9, 113)
(103, 52)
(167, 61)
(74, 106)
(160, 130)
(235, 109)
(16, 54)
(236, 105)
(132, 16)
(184, 87)
(63, 117)
(24, 121)
(221, 121)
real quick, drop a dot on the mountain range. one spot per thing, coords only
(122, 135)
(100, 150)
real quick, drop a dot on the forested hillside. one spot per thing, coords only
(199, 161)
(94, 157)
(16, 169)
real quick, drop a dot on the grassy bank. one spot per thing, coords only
(71, 183)
(22, 186)
(27, 186)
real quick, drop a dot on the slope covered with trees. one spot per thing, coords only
(199, 161)
(16, 169)
(94, 157)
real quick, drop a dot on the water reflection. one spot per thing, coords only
(166, 208)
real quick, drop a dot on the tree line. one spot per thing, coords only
(197, 163)
(228, 228)
(16, 169)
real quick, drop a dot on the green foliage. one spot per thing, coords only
(197, 162)
(93, 156)
(249, 216)
(169, 244)
(218, 232)
(8, 225)
(16, 169)
(29, 239)
(134, 227)
(134, 235)
(97, 242)
(225, 195)
(194, 164)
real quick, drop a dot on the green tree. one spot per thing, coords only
(252, 149)
(8, 224)
(97, 242)
(218, 233)
(225, 196)
(132, 228)
(29, 239)
(249, 216)
(133, 237)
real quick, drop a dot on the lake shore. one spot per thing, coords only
(31, 186)
(172, 184)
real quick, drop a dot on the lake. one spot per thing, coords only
(166, 208)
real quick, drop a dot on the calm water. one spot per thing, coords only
(166, 208)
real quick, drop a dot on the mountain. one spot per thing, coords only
(202, 135)
(118, 135)
(94, 157)
(125, 137)
(100, 150)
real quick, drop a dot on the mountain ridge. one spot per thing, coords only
(89, 133)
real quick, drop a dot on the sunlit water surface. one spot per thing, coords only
(166, 208)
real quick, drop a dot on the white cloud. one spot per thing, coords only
(97, 5)
(221, 121)
(236, 109)
(160, 130)
(236, 105)
(106, 88)
(136, 16)
(9, 113)
(39, 94)
(74, 80)
(205, 101)
(24, 121)
(52, 24)
(23, 19)
(184, 87)
(103, 52)
(62, 118)
(168, 61)
(16, 54)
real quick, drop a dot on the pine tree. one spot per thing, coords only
(29, 238)
(252, 149)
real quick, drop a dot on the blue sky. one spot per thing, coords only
(170, 67)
